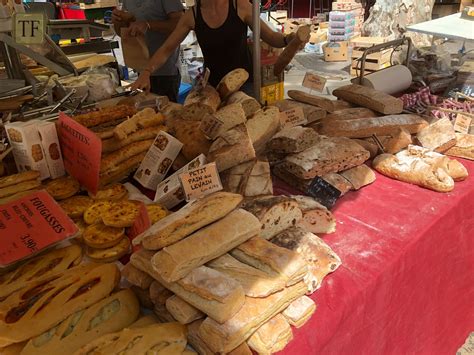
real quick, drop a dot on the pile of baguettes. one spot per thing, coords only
(126, 137)
(53, 304)
(236, 272)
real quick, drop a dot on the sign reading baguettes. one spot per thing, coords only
(81, 150)
(201, 181)
(29, 28)
(314, 82)
(30, 224)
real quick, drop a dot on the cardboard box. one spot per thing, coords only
(158, 160)
(50, 142)
(27, 149)
(336, 52)
(169, 192)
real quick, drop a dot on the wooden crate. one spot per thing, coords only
(378, 57)
(370, 65)
(366, 42)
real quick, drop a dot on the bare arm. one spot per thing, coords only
(273, 38)
(185, 24)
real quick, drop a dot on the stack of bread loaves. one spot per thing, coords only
(226, 270)
(15, 186)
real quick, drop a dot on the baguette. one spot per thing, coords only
(370, 98)
(316, 217)
(272, 259)
(40, 267)
(113, 144)
(22, 186)
(43, 304)
(249, 104)
(351, 114)
(177, 260)
(232, 82)
(105, 115)
(122, 170)
(324, 103)
(188, 219)
(299, 311)
(106, 316)
(272, 336)
(112, 160)
(255, 312)
(165, 338)
(182, 311)
(213, 293)
(276, 213)
(464, 147)
(136, 277)
(366, 127)
(19, 178)
(144, 119)
(320, 258)
(18, 195)
(255, 282)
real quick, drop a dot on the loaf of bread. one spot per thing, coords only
(143, 296)
(112, 160)
(359, 176)
(438, 136)
(292, 180)
(104, 115)
(159, 293)
(249, 104)
(366, 127)
(193, 139)
(231, 116)
(311, 113)
(329, 154)
(195, 340)
(146, 118)
(20, 187)
(39, 267)
(168, 338)
(272, 336)
(182, 311)
(121, 170)
(255, 282)
(262, 126)
(44, 303)
(210, 291)
(299, 311)
(324, 103)
(397, 141)
(19, 178)
(232, 82)
(190, 218)
(293, 140)
(249, 179)
(276, 213)
(369, 145)
(232, 148)
(464, 147)
(351, 114)
(200, 102)
(113, 144)
(370, 98)
(253, 314)
(136, 277)
(109, 315)
(274, 260)
(176, 261)
(316, 217)
(320, 258)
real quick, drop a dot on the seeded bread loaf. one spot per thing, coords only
(232, 82)
(249, 104)
(316, 217)
(262, 126)
(200, 102)
(293, 140)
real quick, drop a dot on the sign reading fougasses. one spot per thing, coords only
(29, 28)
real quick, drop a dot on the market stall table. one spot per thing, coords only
(406, 284)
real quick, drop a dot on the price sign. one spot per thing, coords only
(314, 82)
(201, 181)
(30, 224)
(293, 117)
(81, 150)
(462, 124)
(211, 126)
(29, 28)
(323, 192)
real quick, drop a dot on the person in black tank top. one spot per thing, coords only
(224, 48)
(224, 45)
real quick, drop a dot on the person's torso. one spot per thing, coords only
(224, 48)
(154, 10)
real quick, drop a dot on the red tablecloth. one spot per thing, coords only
(406, 284)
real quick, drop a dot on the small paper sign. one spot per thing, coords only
(201, 181)
(314, 82)
(29, 28)
(211, 126)
(81, 150)
(462, 123)
(323, 192)
(203, 79)
(31, 224)
(293, 117)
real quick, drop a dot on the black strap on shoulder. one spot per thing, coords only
(236, 7)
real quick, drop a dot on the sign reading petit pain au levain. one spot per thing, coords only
(29, 28)
(81, 150)
(30, 224)
(200, 181)
(314, 82)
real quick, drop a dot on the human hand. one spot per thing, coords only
(120, 16)
(143, 82)
(137, 28)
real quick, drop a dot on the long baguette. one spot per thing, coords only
(328, 105)
(105, 115)
(111, 160)
(15, 179)
(113, 144)
(370, 98)
(22, 186)
(177, 260)
(121, 170)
